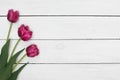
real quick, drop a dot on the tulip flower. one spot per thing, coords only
(24, 32)
(13, 16)
(32, 50)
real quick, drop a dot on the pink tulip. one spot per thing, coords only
(32, 50)
(24, 32)
(13, 16)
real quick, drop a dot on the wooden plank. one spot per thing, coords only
(65, 28)
(62, 7)
(74, 51)
(71, 72)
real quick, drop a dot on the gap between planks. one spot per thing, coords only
(102, 63)
(73, 39)
(65, 16)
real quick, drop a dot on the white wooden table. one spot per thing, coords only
(78, 39)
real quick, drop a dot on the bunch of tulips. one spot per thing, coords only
(8, 60)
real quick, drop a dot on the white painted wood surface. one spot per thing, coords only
(78, 39)
(71, 72)
(84, 7)
(71, 51)
(66, 27)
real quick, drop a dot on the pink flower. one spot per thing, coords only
(32, 50)
(24, 33)
(13, 16)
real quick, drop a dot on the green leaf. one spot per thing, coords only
(14, 58)
(2, 74)
(6, 71)
(4, 54)
(15, 74)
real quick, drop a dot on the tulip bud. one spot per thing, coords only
(24, 32)
(32, 50)
(13, 16)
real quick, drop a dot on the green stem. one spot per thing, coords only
(15, 47)
(19, 61)
(9, 31)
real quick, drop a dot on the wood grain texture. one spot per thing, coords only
(65, 28)
(62, 7)
(74, 51)
(71, 72)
